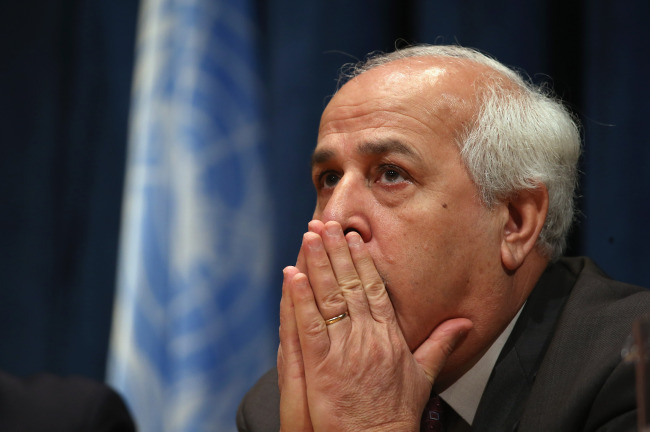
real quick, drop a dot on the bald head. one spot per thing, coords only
(442, 88)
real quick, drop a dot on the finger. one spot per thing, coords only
(289, 339)
(301, 264)
(312, 331)
(294, 409)
(322, 279)
(316, 226)
(436, 349)
(379, 303)
(346, 275)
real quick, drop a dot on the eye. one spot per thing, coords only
(328, 179)
(391, 175)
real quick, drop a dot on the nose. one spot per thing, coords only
(349, 204)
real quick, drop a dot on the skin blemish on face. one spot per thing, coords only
(444, 205)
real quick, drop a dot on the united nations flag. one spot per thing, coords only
(191, 327)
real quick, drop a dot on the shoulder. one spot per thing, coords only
(583, 361)
(601, 306)
(259, 411)
(47, 402)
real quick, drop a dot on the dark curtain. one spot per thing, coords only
(65, 78)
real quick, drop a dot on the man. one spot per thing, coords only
(445, 191)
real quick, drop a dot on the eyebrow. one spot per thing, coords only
(321, 157)
(369, 148)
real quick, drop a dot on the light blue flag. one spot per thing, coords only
(193, 324)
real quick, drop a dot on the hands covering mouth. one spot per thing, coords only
(341, 348)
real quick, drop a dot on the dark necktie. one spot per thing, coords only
(432, 418)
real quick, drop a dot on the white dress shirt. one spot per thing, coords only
(465, 394)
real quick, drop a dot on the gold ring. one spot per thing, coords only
(336, 319)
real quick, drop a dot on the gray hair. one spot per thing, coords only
(520, 137)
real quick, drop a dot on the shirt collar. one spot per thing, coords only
(465, 394)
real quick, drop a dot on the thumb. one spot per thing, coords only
(433, 353)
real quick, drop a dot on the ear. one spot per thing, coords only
(526, 213)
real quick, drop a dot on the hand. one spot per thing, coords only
(358, 373)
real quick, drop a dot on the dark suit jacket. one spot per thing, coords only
(46, 403)
(560, 370)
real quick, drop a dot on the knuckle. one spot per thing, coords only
(333, 300)
(376, 288)
(314, 328)
(350, 283)
(285, 323)
(321, 265)
(446, 349)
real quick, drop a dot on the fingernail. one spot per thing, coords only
(354, 239)
(332, 230)
(312, 241)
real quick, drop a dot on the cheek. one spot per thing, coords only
(416, 265)
(417, 246)
(434, 261)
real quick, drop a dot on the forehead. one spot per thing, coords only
(427, 98)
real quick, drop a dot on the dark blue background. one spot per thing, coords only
(65, 79)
